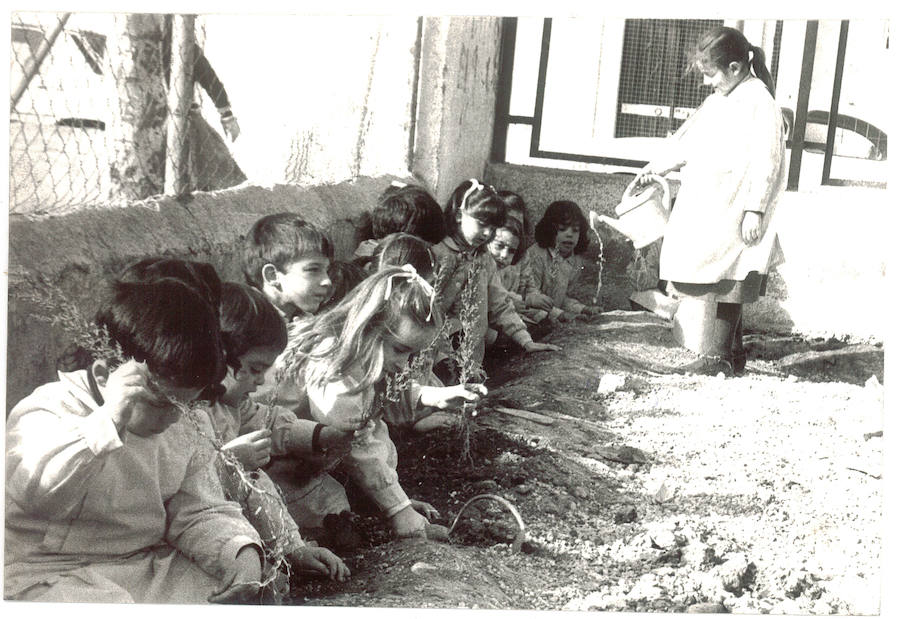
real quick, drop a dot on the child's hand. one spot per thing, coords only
(127, 387)
(456, 396)
(591, 310)
(751, 225)
(566, 317)
(539, 346)
(252, 450)
(321, 561)
(231, 127)
(409, 523)
(435, 421)
(519, 304)
(539, 301)
(426, 509)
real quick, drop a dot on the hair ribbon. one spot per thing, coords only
(476, 186)
(409, 273)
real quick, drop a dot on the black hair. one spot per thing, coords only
(410, 209)
(561, 214)
(344, 276)
(516, 204)
(248, 320)
(281, 239)
(518, 229)
(201, 275)
(400, 249)
(168, 324)
(476, 200)
(721, 45)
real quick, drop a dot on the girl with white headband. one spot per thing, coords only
(470, 285)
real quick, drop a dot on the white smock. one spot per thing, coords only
(734, 161)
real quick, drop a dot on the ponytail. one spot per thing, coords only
(721, 45)
(758, 65)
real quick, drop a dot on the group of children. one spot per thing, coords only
(225, 423)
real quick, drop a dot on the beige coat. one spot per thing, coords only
(734, 161)
(92, 516)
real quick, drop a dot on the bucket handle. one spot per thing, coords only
(659, 180)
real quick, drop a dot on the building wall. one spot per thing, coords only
(457, 92)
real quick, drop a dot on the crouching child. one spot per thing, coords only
(111, 494)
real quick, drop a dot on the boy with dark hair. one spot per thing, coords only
(110, 495)
(287, 258)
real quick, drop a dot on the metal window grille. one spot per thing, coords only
(656, 91)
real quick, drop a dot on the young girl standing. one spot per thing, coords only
(555, 262)
(254, 334)
(344, 356)
(471, 291)
(731, 154)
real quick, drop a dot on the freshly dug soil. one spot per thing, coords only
(757, 494)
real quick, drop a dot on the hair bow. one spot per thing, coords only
(408, 272)
(476, 186)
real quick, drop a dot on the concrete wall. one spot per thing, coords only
(80, 252)
(834, 279)
(457, 93)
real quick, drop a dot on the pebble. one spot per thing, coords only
(485, 485)
(420, 567)
(610, 383)
(736, 573)
(707, 607)
(626, 514)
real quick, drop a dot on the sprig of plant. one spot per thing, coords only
(55, 308)
(470, 370)
(249, 487)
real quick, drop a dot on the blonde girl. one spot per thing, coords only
(470, 286)
(344, 357)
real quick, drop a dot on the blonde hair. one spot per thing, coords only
(351, 333)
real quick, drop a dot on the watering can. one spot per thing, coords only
(641, 216)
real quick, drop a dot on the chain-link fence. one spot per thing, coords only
(105, 109)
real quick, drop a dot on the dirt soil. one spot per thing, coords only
(756, 494)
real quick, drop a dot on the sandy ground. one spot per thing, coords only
(756, 494)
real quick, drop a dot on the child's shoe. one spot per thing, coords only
(707, 365)
(739, 361)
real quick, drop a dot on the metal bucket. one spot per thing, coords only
(642, 217)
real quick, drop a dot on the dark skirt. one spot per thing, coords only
(727, 290)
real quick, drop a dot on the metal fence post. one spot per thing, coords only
(180, 96)
(34, 63)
